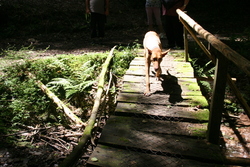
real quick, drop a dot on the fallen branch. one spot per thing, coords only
(56, 100)
(78, 150)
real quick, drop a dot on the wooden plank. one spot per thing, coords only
(196, 130)
(163, 99)
(185, 87)
(106, 156)
(167, 111)
(141, 63)
(123, 135)
(166, 62)
(184, 72)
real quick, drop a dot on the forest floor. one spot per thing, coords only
(125, 25)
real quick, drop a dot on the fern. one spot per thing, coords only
(61, 82)
(71, 93)
(83, 87)
(80, 81)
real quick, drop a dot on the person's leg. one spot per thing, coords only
(169, 29)
(93, 24)
(101, 25)
(149, 17)
(157, 14)
(179, 34)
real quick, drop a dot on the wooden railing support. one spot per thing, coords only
(185, 42)
(186, 45)
(227, 54)
(192, 33)
(217, 103)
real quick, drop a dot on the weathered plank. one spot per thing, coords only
(163, 99)
(185, 87)
(172, 66)
(106, 156)
(195, 130)
(139, 61)
(171, 112)
(136, 70)
(127, 136)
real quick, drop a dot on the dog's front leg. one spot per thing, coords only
(147, 68)
(158, 74)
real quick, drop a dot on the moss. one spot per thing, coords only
(134, 69)
(199, 131)
(193, 87)
(130, 87)
(199, 101)
(201, 114)
(193, 93)
(123, 139)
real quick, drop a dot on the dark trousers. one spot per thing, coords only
(97, 24)
(174, 32)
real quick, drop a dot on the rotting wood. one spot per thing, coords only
(117, 157)
(56, 100)
(130, 136)
(159, 126)
(77, 152)
(111, 156)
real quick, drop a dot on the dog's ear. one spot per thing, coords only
(149, 51)
(164, 53)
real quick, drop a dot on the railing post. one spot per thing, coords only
(186, 45)
(185, 40)
(217, 102)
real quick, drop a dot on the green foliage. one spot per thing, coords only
(71, 77)
(14, 54)
(77, 86)
(202, 68)
(123, 56)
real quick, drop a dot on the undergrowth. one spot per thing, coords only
(71, 77)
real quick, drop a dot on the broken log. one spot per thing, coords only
(78, 150)
(56, 100)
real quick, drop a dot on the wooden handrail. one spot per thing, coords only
(229, 53)
(212, 57)
(221, 75)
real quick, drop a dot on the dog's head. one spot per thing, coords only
(156, 56)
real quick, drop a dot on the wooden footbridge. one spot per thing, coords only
(171, 127)
(167, 128)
